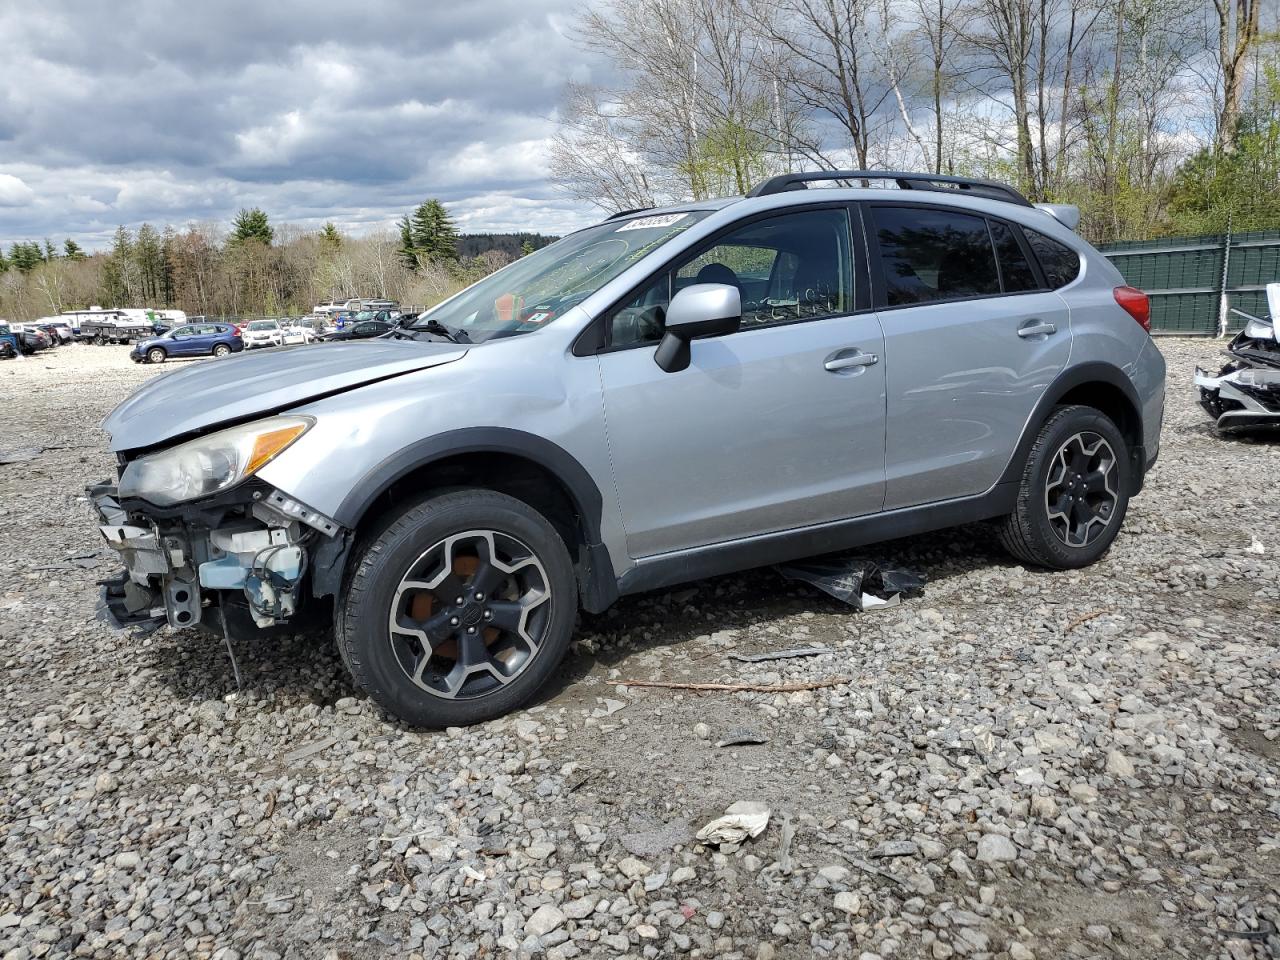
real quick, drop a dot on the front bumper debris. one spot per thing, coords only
(1245, 393)
(178, 562)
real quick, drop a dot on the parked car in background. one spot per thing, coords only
(31, 339)
(8, 342)
(295, 332)
(361, 330)
(58, 329)
(189, 340)
(262, 333)
(317, 324)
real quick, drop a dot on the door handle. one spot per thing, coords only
(1036, 328)
(844, 361)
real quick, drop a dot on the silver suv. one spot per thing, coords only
(664, 396)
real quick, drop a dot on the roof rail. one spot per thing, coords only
(990, 189)
(626, 213)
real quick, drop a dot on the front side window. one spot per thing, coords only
(929, 255)
(183, 332)
(787, 268)
(542, 287)
(1059, 262)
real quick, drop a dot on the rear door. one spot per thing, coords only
(183, 342)
(973, 337)
(775, 427)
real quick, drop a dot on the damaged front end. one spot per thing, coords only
(1245, 393)
(247, 549)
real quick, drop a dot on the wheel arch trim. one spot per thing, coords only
(597, 579)
(1081, 375)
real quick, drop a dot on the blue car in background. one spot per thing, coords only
(189, 340)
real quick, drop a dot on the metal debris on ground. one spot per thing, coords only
(861, 583)
(779, 654)
(1245, 393)
(742, 738)
(743, 819)
(739, 687)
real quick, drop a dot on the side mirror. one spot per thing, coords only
(702, 310)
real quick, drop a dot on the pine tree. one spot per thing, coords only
(25, 256)
(428, 235)
(251, 225)
(330, 238)
(72, 250)
(50, 251)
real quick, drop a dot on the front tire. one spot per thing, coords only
(155, 355)
(1074, 492)
(458, 609)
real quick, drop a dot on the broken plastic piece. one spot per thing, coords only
(858, 582)
(745, 818)
(742, 738)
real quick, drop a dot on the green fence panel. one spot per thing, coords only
(1184, 277)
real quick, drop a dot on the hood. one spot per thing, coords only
(235, 388)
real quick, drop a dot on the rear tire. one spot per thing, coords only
(430, 661)
(1074, 492)
(155, 355)
(221, 350)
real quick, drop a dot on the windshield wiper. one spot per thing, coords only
(449, 333)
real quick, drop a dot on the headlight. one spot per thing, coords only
(210, 464)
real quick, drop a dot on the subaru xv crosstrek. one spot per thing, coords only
(668, 395)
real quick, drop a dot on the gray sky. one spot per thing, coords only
(171, 111)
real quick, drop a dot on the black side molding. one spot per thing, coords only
(670, 569)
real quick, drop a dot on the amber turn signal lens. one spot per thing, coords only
(267, 445)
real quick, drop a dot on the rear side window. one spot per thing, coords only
(1015, 270)
(1059, 262)
(931, 255)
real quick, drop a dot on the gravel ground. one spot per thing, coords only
(1024, 764)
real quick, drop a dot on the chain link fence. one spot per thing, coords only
(1194, 281)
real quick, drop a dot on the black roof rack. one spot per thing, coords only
(626, 213)
(990, 189)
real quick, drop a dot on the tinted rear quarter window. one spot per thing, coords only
(1015, 270)
(929, 255)
(1059, 262)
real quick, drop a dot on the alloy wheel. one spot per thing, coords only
(1080, 495)
(470, 614)
(156, 355)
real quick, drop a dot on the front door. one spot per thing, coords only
(973, 337)
(777, 426)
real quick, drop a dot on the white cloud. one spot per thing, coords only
(314, 110)
(14, 192)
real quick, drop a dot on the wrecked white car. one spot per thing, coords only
(1245, 393)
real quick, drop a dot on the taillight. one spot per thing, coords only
(1136, 304)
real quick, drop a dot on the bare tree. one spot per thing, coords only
(591, 158)
(826, 68)
(1238, 33)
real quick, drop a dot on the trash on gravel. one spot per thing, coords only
(856, 581)
(310, 750)
(743, 819)
(742, 738)
(1245, 393)
(19, 454)
(779, 654)
(608, 708)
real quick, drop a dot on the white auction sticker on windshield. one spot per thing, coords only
(648, 223)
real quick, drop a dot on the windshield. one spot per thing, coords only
(263, 325)
(543, 286)
(366, 315)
